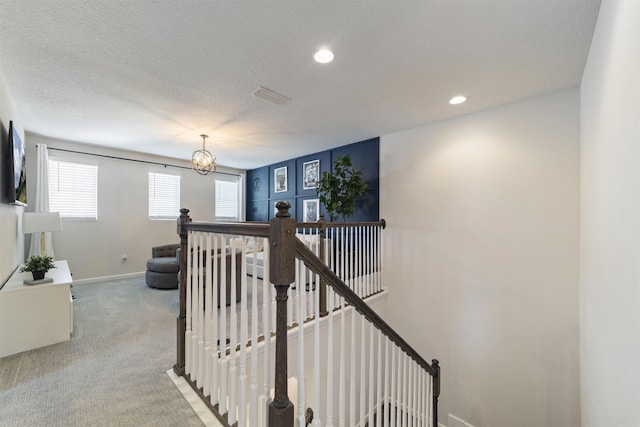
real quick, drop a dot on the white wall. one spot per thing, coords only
(610, 229)
(95, 248)
(482, 258)
(11, 242)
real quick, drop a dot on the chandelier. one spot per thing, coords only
(202, 160)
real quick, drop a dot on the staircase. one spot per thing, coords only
(303, 332)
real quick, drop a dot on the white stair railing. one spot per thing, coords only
(402, 391)
(349, 366)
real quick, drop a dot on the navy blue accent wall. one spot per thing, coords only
(261, 183)
(257, 194)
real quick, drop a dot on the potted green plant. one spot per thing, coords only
(338, 190)
(38, 265)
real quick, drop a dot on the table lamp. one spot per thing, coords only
(41, 222)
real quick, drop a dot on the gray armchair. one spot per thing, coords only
(162, 268)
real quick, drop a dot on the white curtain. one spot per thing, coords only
(41, 200)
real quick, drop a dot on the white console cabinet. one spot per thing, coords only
(33, 316)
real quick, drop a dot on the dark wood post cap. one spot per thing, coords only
(283, 209)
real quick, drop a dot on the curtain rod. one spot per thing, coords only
(133, 160)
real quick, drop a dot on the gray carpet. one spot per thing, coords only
(111, 373)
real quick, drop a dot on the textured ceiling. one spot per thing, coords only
(151, 75)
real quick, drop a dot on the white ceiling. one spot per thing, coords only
(151, 75)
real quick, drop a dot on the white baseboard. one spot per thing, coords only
(104, 278)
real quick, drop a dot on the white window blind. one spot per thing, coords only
(227, 207)
(73, 189)
(164, 196)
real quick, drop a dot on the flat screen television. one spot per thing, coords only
(17, 169)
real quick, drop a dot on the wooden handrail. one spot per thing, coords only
(381, 223)
(236, 228)
(261, 229)
(313, 262)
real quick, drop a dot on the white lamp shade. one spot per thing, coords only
(35, 222)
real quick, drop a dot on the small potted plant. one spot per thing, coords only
(38, 265)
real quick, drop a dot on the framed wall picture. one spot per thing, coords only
(311, 210)
(280, 184)
(310, 174)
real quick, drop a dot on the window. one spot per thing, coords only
(73, 189)
(227, 207)
(164, 196)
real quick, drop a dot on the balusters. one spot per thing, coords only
(208, 322)
(421, 408)
(343, 255)
(195, 322)
(349, 258)
(388, 405)
(412, 393)
(358, 262)
(379, 381)
(399, 387)
(244, 328)
(380, 256)
(371, 388)
(216, 351)
(316, 362)
(267, 308)
(224, 372)
(314, 282)
(222, 349)
(354, 274)
(290, 298)
(188, 319)
(233, 335)
(371, 253)
(428, 401)
(368, 261)
(302, 294)
(354, 253)
(341, 390)
(363, 368)
(352, 380)
(408, 402)
(374, 259)
(330, 293)
(300, 303)
(253, 415)
(199, 361)
(272, 291)
(405, 390)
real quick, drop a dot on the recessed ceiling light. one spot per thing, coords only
(457, 100)
(323, 56)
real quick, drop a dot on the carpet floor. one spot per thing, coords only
(113, 370)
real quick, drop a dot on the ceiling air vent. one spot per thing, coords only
(271, 96)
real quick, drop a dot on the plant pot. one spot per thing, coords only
(38, 275)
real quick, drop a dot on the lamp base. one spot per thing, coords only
(42, 249)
